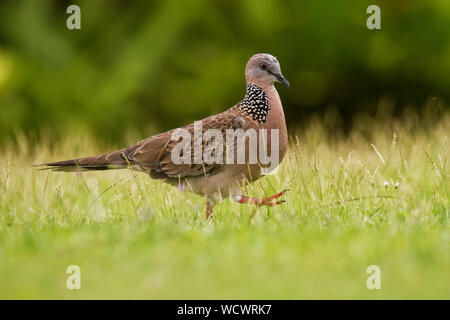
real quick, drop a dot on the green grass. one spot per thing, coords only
(139, 238)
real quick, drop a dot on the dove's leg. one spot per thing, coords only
(209, 209)
(269, 201)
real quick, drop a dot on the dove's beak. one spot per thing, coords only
(281, 79)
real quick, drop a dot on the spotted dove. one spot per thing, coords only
(260, 109)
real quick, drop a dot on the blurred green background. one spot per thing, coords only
(153, 65)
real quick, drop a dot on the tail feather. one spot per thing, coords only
(107, 161)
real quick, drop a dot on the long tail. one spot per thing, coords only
(113, 160)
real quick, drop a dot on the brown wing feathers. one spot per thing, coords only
(153, 153)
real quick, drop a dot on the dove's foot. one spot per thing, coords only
(269, 201)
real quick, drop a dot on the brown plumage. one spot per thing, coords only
(261, 108)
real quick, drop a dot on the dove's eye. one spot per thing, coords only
(263, 66)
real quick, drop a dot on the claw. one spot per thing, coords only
(264, 201)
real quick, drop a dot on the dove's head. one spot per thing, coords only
(264, 69)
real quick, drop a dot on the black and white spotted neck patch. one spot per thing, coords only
(255, 103)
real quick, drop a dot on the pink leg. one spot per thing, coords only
(262, 202)
(209, 210)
